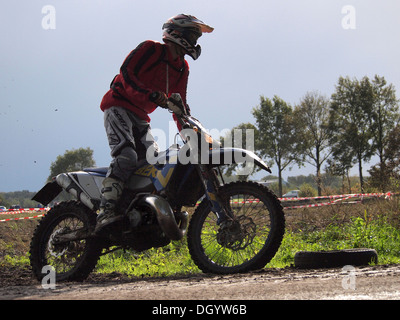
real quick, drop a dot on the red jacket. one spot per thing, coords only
(143, 72)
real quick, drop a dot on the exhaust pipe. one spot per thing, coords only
(64, 181)
(166, 217)
(159, 206)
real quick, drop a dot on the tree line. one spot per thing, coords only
(17, 198)
(358, 121)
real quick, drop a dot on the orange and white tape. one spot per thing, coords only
(335, 199)
(26, 210)
(23, 218)
(353, 195)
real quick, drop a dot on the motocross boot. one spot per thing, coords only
(111, 192)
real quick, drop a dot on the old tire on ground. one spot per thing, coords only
(335, 258)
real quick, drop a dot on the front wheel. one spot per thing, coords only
(247, 241)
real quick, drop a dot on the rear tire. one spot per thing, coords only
(72, 261)
(250, 243)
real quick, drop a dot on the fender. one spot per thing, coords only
(223, 156)
(82, 185)
(47, 193)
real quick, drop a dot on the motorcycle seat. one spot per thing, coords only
(100, 170)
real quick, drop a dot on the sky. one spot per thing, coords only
(56, 64)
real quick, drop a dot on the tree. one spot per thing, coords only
(1, 200)
(276, 138)
(351, 114)
(312, 131)
(72, 160)
(387, 175)
(385, 116)
(339, 165)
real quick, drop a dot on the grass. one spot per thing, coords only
(372, 225)
(359, 233)
(172, 259)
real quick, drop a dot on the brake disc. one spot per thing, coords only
(237, 234)
(56, 249)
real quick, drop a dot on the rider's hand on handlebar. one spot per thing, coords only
(159, 98)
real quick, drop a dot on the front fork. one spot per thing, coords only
(211, 185)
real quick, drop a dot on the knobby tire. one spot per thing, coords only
(203, 218)
(90, 248)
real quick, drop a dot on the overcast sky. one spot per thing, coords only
(56, 67)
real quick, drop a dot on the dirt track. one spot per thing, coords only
(379, 282)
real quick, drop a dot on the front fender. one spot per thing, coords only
(223, 156)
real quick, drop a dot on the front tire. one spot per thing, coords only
(249, 242)
(72, 261)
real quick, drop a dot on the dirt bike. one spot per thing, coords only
(236, 227)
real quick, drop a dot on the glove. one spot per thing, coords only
(159, 98)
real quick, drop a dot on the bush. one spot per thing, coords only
(306, 190)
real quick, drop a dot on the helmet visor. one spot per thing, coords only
(191, 36)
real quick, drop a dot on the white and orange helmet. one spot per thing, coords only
(184, 30)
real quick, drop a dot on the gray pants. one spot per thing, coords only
(129, 138)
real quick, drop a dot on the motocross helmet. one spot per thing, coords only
(184, 30)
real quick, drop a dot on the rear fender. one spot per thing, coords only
(47, 193)
(83, 186)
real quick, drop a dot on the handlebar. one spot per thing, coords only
(183, 117)
(175, 104)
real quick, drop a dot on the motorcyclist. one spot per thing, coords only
(149, 74)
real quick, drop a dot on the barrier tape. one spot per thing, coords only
(388, 194)
(23, 218)
(25, 210)
(318, 204)
(18, 211)
(335, 200)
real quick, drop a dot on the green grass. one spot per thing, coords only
(373, 225)
(172, 259)
(14, 261)
(358, 233)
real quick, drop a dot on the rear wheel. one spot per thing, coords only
(244, 243)
(71, 260)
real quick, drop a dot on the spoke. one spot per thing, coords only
(243, 240)
(63, 257)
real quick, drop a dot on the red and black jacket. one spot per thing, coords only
(143, 72)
